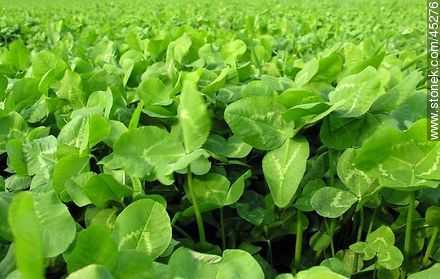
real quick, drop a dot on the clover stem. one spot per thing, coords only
(199, 219)
(332, 184)
(269, 247)
(222, 228)
(361, 224)
(330, 168)
(432, 240)
(318, 255)
(373, 218)
(375, 270)
(298, 243)
(358, 237)
(269, 250)
(408, 229)
(182, 232)
(332, 233)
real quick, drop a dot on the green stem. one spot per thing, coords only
(373, 218)
(432, 240)
(137, 185)
(199, 219)
(318, 255)
(299, 239)
(182, 232)
(375, 270)
(332, 233)
(331, 170)
(222, 229)
(332, 184)
(269, 251)
(359, 237)
(361, 224)
(408, 229)
(269, 247)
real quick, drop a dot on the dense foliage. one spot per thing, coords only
(216, 139)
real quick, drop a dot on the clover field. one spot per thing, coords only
(216, 139)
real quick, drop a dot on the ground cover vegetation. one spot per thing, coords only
(216, 139)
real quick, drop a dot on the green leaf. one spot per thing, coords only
(432, 215)
(341, 133)
(251, 208)
(303, 200)
(5, 201)
(134, 121)
(99, 129)
(145, 226)
(56, 224)
(102, 100)
(185, 263)
(45, 61)
(186, 160)
(18, 55)
(397, 95)
(92, 271)
(11, 126)
(194, 121)
(307, 73)
(401, 160)
(210, 191)
(75, 133)
(367, 251)
(27, 235)
(256, 88)
(318, 272)
(381, 238)
(40, 154)
(71, 90)
(356, 180)
(217, 83)
(154, 92)
(319, 241)
(103, 188)
(338, 266)
(66, 168)
(3, 86)
(232, 50)
(259, 122)
(237, 189)
(294, 97)
(357, 92)
(93, 245)
(24, 93)
(75, 188)
(303, 110)
(234, 147)
(16, 183)
(431, 273)
(16, 162)
(391, 258)
(117, 129)
(332, 202)
(329, 67)
(144, 150)
(239, 264)
(133, 264)
(179, 48)
(284, 168)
